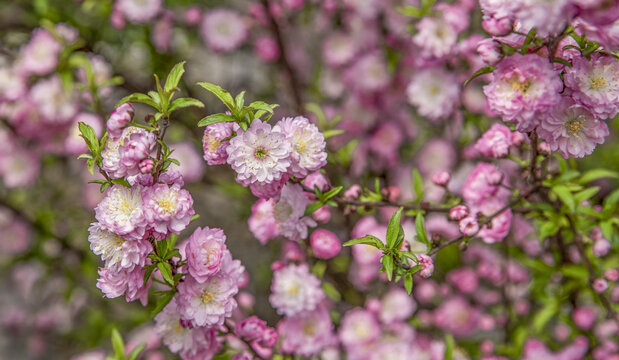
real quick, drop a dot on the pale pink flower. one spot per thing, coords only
(595, 84)
(135, 148)
(269, 190)
(223, 29)
(495, 142)
(339, 49)
(204, 251)
(117, 252)
(118, 121)
(262, 223)
(457, 316)
(40, 55)
(139, 11)
(117, 282)
(121, 212)
(481, 185)
(289, 212)
(358, 326)
(458, 212)
(572, 129)
(56, 105)
(294, 290)
(522, 89)
(12, 85)
(19, 168)
(266, 48)
(325, 244)
(434, 92)
(251, 328)
(167, 209)
(208, 303)
(584, 317)
(468, 226)
(369, 73)
(259, 154)
(307, 333)
(213, 142)
(308, 145)
(427, 265)
(396, 306)
(435, 36)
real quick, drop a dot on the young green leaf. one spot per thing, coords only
(240, 100)
(417, 185)
(215, 118)
(393, 228)
(408, 283)
(449, 347)
(118, 345)
(166, 272)
(334, 132)
(174, 77)
(185, 102)
(138, 98)
(420, 227)
(565, 195)
(136, 352)
(595, 174)
(88, 134)
(387, 261)
(483, 71)
(261, 105)
(149, 271)
(162, 302)
(222, 94)
(366, 240)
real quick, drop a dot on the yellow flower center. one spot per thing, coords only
(212, 144)
(520, 86)
(168, 204)
(574, 127)
(301, 146)
(260, 153)
(293, 289)
(598, 83)
(309, 329)
(207, 297)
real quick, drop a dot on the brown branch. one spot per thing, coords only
(533, 162)
(284, 59)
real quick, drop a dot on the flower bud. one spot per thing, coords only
(325, 244)
(269, 338)
(427, 265)
(266, 48)
(250, 329)
(601, 247)
(441, 178)
(489, 51)
(600, 285)
(468, 226)
(146, 166)
(322, 215)
(517, 138)
(458, 212)
(193, 16)
(611, 274)
(119, 119)
(353, 192)
(543, 148)
(584, 317)
(497, 27)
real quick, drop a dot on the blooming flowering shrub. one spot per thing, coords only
(437, 181)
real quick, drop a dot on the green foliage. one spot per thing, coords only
(119, 348)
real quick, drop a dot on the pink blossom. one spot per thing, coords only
(468, 226)
(522, 89)
(268, 190)
(600, 285)
(56, 104)
(193, 15)
(130, 283)
(396, 306)
(441, 178)
(259, 154)
(306, 334)
(139, 11)
(427, 265)
(463, 279)
(208, 303)
(262, 223)
(611, 274)
(205, 249)
(289, 213)
(308, 145)
(316, 179)
(458, 212)
(339, 49)
(572, 130)
(495, 142)
(117, 252)
(167, 209)
(19, 168)
(358, 327)
(223, 29)
(489, 51)
(213, 142)
(435, 36)
(367, 74)
(325, 244)
(584, 317)
(134, 149)
(146, 166)
(251, 328)
(479, 185)
(12, 84)
(267, 49)
(15, 236)
(294, 290)
(121, 212)
(119, 119)
(500, 225)
(40, 55)
(434, 92)
(456, 316)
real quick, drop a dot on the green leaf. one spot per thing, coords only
(222, 94)
(420, 227)
(88, 134)
(387, 261)
(409, 11)
(166, 272)
(393, 228)
(527, 41)
(408, 283)
(595, 174)
(366, 240)
(149, 271)
(483, 71)
(544, 315)
(331, 193)
(417, 185)
(162, 302)
(240, 100)
(331, 291)
(547, 229)
(561, 61)
(138, 98)
(118, 345)
(334, 132)
(449, 347)
(565, 195)
(136, 352)
(185, 102)
(174, 77)
(574, 271)
(261, 105)
(216, 118)
(586, 194)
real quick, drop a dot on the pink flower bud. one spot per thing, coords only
(119, 119)
(489, 51)
(611, 274)
(146, 166)
(584, 317)
(318, 180)
(117, 19)
(322, 215)
(250, 329)
(544, 148)
(392, 193)
(353, 192)
(486, 347)
(269, 338)
(292, 251)
(562, 332)
(468, 226)
(373, 305)
(325, 244)
(266, 48)
(517, 138)
(193, 16)
(427, 265)
(601, 247)
(458, 212)
(277, 265)
(441, 178)
(497, 27)
(600, 285)
(246, 300)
